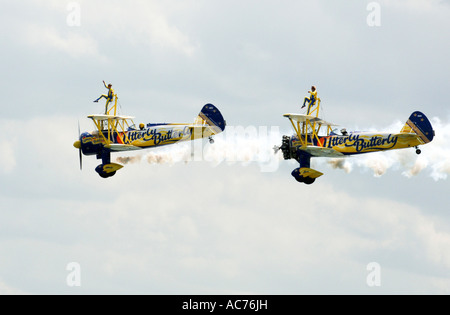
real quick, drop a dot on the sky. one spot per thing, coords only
(229, 219)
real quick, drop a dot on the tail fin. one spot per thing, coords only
(419, 124)
(211, 116)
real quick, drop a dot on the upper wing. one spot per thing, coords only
(113, 117)
(321, 152)
(302, 118)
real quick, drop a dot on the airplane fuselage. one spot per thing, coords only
(357, 143)
(154, 135)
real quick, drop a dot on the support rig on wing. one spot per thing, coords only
(302, 145)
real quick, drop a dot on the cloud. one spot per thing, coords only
(72, 28)
(74, 44)
(6, 290)
(192, 228)
(146, 23)
(7, 156)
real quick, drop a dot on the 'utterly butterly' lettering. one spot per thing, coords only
(362, 144)
(157, 136)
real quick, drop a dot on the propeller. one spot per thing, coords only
(276, 149)
(77, 144)
(79, 150)
(81, 159)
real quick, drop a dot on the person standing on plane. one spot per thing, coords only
(312, 99)
(108, 97)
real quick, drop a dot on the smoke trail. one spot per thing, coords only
(251, 144)
(435, 156)
(128, 159)
(242, 145)
(164, 155)
(170, 155)
(342, 164)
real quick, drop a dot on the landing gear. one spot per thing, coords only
(306, 180)
(302, 179)
(100, 169)
(211, 140)
(418, 151)
(106, 175)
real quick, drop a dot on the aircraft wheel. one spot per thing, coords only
(106, 175)
(418, 151)
(309, 181)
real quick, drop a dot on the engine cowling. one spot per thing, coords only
(286, 147)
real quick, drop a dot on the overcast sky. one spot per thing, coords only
(233, 221)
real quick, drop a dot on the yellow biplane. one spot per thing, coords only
(116, 133)
(315, 137)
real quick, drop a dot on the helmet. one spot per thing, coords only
(141, 125)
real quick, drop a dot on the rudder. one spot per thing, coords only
(211, 116)
(419, 124)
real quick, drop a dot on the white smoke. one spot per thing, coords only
(435, 156)
(243, 145)
(342, 164)
(164, 155)
(246, 145)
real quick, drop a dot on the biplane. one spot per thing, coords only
(315, 137)
(116, 133)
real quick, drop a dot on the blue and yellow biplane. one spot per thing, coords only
(315, 137)
(116, 133)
